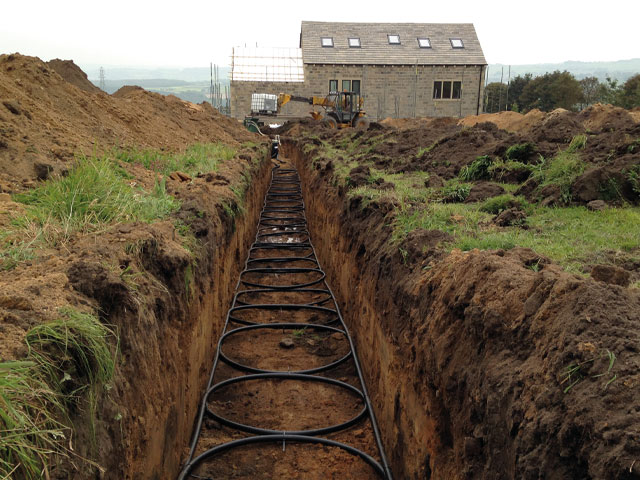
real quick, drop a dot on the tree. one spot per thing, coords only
(551, 91)
(515, 90)
(630, 93)
(495, 97)
(590, 91)
(610, 92)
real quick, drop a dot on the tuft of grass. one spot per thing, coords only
(198, 158)
(73, 350)
(93, 195)
(30, 432)
(562, 170)
(520, 151)
(500, 203)
(476, 170)
(577, 143)
(424, 150)
(455, 191)
(633, 176)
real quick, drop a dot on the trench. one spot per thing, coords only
(286, 396)
(410, 420)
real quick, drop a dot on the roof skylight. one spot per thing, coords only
(456, 42)
(327, 41)
(424, 42)
(394, 39)
(354, 42)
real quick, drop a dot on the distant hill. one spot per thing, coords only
(620, 70)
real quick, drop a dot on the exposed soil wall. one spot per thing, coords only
(466, 357)
(169, 341)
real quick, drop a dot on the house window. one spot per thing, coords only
(327, 41)
(437, 89)
(457, 90)
(333, 85)
(346, 85)
(394, 39)
(354, 42)
(447, 90)
(355, 86)
(456, 42)
(424, 42)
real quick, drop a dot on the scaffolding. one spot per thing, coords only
(260, 64)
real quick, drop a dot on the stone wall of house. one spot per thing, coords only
(388, 91)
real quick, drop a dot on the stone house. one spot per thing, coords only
(403, 70)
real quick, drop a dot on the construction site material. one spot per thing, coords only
(285, 368)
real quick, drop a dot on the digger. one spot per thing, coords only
(342, 109)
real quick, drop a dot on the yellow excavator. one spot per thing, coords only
(342, 109)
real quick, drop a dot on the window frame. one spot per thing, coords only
(439, 89)
(359, 45)
(336, 83)
(322, 42)
(389, 35)
(456, 39)
(428, 40)
(342, 84)
(359, 92)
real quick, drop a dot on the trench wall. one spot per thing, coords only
(168, 343)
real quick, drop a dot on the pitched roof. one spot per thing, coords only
(376, 50)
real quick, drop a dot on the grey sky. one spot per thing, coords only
(193, 33)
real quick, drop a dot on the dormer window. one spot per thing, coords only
(354, 42)
(327, 42)
(456, 43)
(424, 42)
(394, 39)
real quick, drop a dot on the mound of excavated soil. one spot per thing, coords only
(601, 117)
(45, 120)
(73, 74)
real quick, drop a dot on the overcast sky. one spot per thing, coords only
(192, 33)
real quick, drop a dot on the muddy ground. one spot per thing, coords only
(483, 364)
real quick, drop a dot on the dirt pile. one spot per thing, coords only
(72, 74)
(46, 120)
(595, 118)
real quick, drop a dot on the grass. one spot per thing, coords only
(571, 236)
(477, 170)
(198, 158)
(67, 357)
(29, 429)
(520, 151)
(73, 350)
(93, 195)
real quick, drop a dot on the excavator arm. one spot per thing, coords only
(285, 98)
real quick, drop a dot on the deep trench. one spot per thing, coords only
(286, 395)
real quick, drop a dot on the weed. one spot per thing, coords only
(520, 151)
(633, 175)
(577, 143)
(454, 191)
(633, 146)
(476, 170)
(405, 255)
(495, 205)
(561, 171)
(575, 373)
(610, 189)
(424, 150)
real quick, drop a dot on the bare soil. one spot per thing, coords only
(468, 353)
